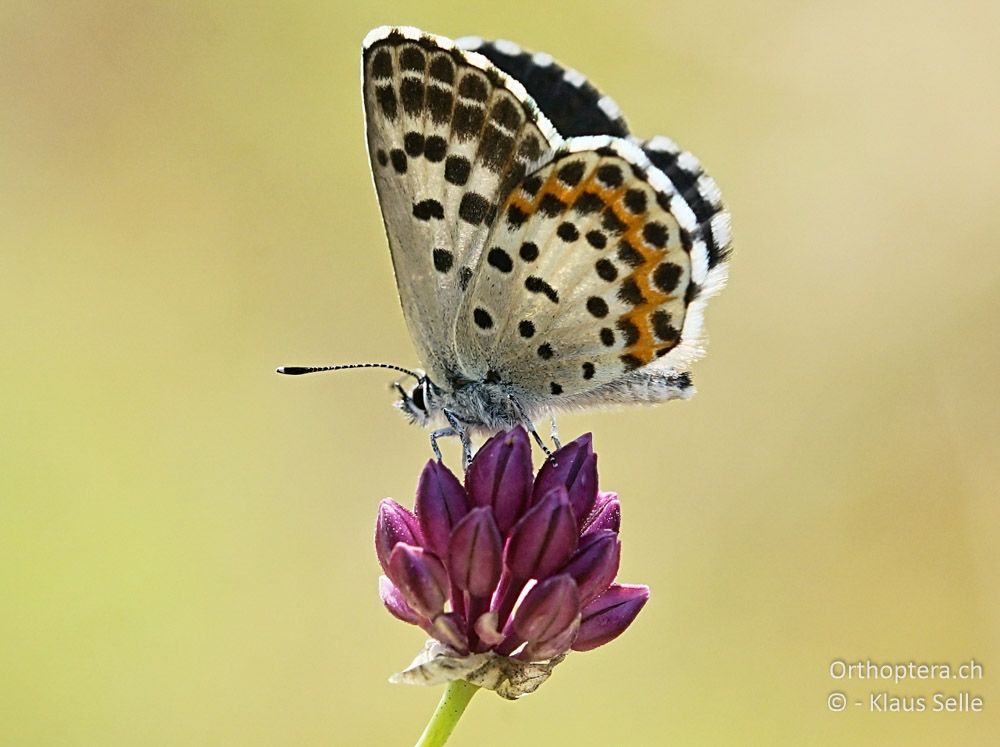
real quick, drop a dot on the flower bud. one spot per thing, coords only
(558, 644)
(395, 603)
(500, 477)
(544, 539)
(441, 503)
(420, 577)
(394, 524)
(548, 608)
(595, 563)
(606, 617)
(574, 467)
(607, 514)
(475, 552)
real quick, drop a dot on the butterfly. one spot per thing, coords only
(546, 259)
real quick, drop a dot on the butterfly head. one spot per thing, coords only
(421, 401)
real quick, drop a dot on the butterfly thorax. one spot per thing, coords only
(486, 405)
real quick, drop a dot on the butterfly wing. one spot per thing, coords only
(597, 267)
(573, 105)
(576, 108)
(698, 190)
(449, 135)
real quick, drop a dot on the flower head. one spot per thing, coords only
(510, 571)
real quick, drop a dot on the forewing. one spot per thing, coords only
(448, 136)
(573, 104)
(595, 268)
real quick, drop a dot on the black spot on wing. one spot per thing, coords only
(530, 148)
(427, 209)
(597, 307)
(467, 121)
(630, 293)
(435, 148)
(506, 114)
(441, 68)
(662, 327)
(411, 92)
(655, 234)
(398, 159)
(457, 170)
(629, 331)
(482, 318)
(515, 216)
(537, 285)
(499, 259)
(606, 270)
(571, 173)
(413, 144)
(495, 148)
(412, 58)
(610, 175)
(443, 260)
(611, 222)
(382, 64)
(588, 202)
(635, 201)
(629, 254)
(531, 185)
(473, 87)
(551, 205)
(567, 232)
(385, 96)
(666, 276)
(473, 208)
(439, 103)
(597, 239)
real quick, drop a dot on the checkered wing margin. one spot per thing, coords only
(596, 267)
(449, 135)
(571, 102)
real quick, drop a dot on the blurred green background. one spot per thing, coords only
(185, 537)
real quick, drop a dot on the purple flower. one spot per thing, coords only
(509, 566)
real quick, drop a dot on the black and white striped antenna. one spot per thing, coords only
(299, 370)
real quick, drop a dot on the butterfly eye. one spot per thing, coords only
(418, 397)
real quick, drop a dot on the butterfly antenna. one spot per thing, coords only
(299, 370)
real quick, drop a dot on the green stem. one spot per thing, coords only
(447, 713)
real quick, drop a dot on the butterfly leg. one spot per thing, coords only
(538, 440)
(454, 429)
(526, 422)
(440, 433)
(553, 433)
